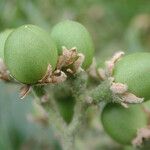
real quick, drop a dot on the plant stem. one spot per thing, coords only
(60, 127)
(101, 92)
(50, 107)
(78, 86)
(67, 141)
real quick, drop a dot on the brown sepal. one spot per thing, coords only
(24, 91)
(4, 74)
(142, 134)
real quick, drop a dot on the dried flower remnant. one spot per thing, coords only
(142, 134)
(70, 61)
(4, 74)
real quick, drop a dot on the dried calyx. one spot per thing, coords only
(143, 135)
(69, 62)
(4, 74)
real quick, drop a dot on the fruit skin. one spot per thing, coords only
(73, 34)
(66, 108)
(122, 123)
(3, 37)
(65, 101)
(28, 51)
(134, 70)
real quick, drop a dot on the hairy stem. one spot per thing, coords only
(101, 93)
(50, 107)
(68, 141)
(67, 133)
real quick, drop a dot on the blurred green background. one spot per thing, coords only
(114, 25)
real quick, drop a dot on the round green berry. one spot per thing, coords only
(28, 51)
(122, 123)
(134, 70)
(3, 37)
(73, 34)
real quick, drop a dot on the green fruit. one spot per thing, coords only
(28, 51)
(65, 101)
(122, 123)
(134, 70)
(73, 34)
(3, 37)
(66, 108)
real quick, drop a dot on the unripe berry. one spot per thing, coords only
(28, 51)
(72, 34)
(134, 71)
(122, 123)
(66, 107)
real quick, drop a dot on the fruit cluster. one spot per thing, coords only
(33, 56)
(28, 50)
